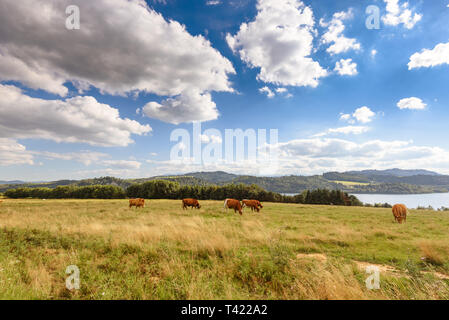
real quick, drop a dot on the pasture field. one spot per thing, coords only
(287, 251)
(352, 183)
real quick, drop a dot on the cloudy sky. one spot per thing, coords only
(105, 98)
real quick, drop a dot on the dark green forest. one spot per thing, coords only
(163, 189)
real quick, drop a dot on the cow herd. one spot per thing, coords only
(254, 205)
(399, 210)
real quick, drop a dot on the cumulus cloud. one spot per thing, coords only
(187, 107)
(346, 117)
(430, 58)
(400, 14)
(122, 47)
(78, 119)
(344, 130)
(277, 91)
(334, 35)
(317, 155)
(85, 157)
(362, 115)
(281, 90)
(122, 164)
(13, 153)
(211, 139)
(267, 91)
(279, 42)
(324, 154)
(412, 103)
(345, 67)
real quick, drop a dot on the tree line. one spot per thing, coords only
(163, 189)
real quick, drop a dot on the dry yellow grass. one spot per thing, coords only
(162, 252)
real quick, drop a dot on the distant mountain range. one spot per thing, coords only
(395, 172)
(12, 182)
(392, 181)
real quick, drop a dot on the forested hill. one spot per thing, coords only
(394, 181)
(418, 180)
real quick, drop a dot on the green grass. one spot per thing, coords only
(163, 252)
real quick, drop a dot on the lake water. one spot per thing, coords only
(436, 200)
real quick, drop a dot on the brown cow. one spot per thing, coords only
(400, 213)
(253, 204)
(138, 203)
(190, 203)
(259, 204)
(233, 204)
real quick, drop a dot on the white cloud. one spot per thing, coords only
(373, 53)
(278, 91)
(412, 103)
(267, 91)
(211, 139)
(79, 119)
(321, 154)
(344, 130)
(400, 14)
(122, 164)
(213, 2)
(345, 117)
(89, 158)
(188, 107)
(281, 90)
(13, 153)
(345, 67)
(318, 155)
(108, 172)
(362, 115)
(131, 48)
(334, 35)
(85, 157)
(430, 58)
(279, 42)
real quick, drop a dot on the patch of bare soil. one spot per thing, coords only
(383, 268)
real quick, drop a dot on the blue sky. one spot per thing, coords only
(104, 99)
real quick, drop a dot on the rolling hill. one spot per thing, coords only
(394, 181)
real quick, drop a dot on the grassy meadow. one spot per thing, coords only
(352, 183)
(286, 251)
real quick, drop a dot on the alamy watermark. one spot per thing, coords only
(73, 21)
(257, 146)
(373, 281)
(72, 282)
(373, 19)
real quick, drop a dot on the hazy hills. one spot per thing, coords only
(12, 182)
(393, 181)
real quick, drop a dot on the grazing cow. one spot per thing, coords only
(233, 204)
(138, 203)
(400, 213)
(190, 203)
(259, 204)
(253, 204)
